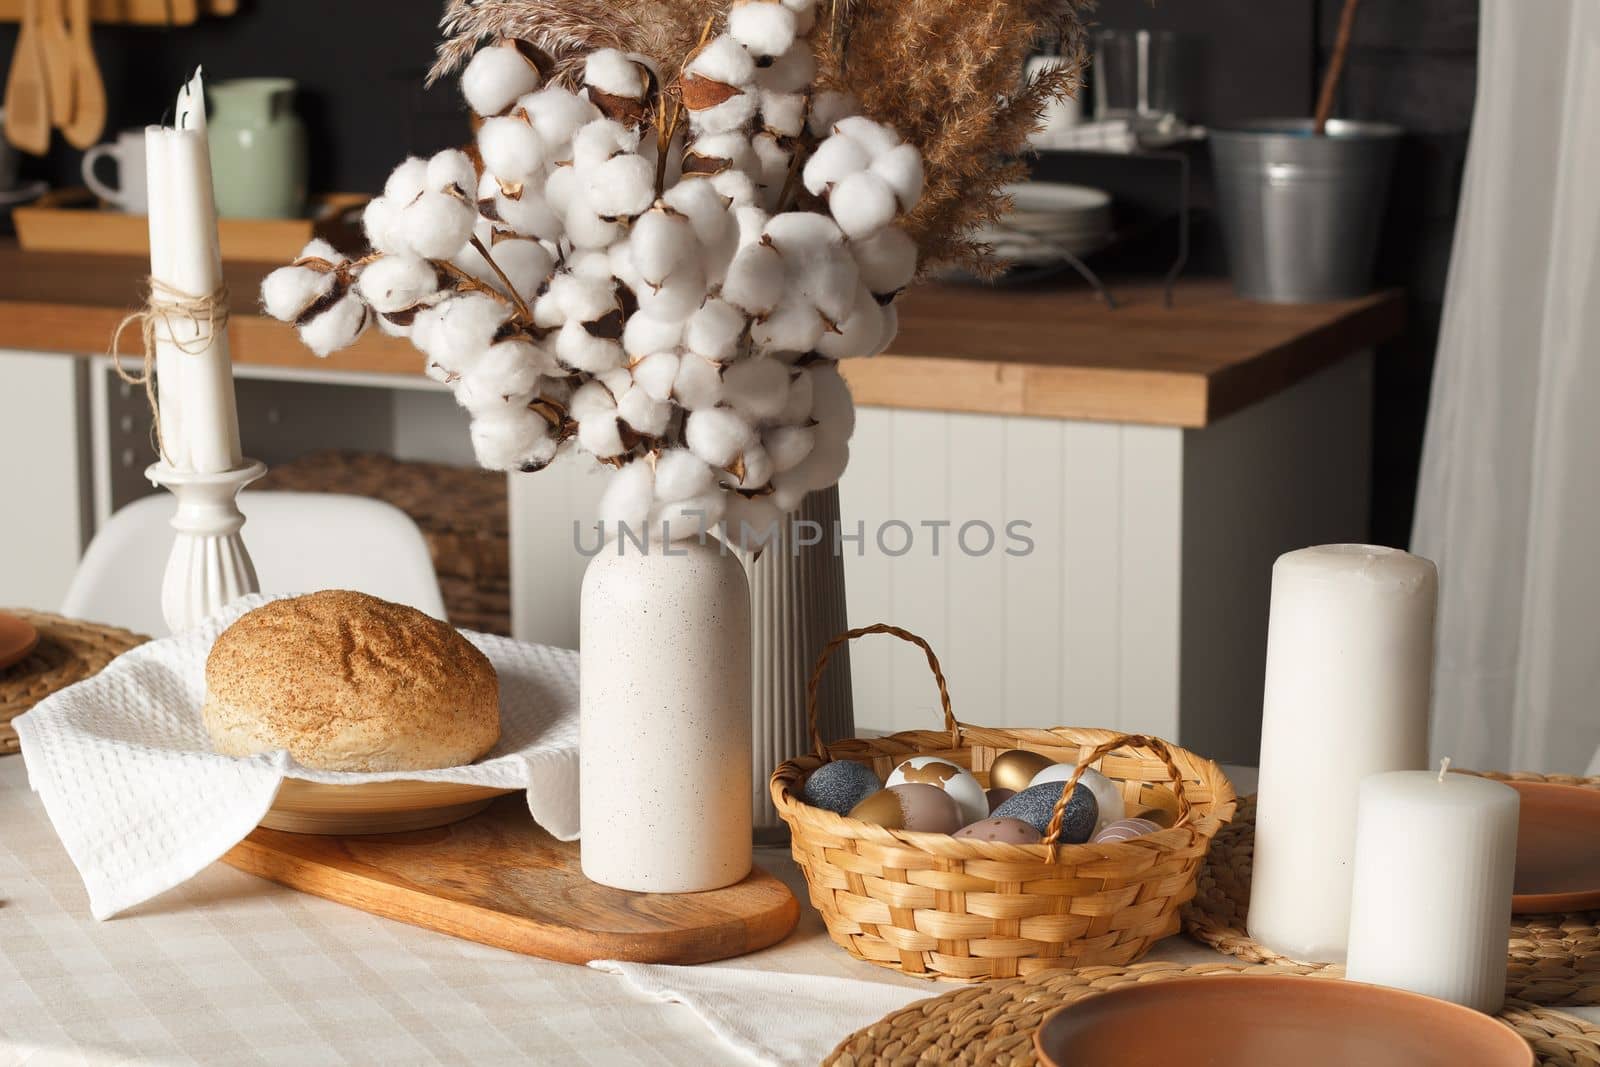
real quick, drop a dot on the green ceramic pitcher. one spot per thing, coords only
(258, 149)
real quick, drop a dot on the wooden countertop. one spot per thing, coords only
(1051, 352)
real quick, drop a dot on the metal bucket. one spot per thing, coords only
(1301, 213)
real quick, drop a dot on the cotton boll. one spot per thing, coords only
(714, 330)
(556, 115)
(659, 241)
(522, 209)
(805, 13)
(395, 283)
(494, 79)
(705, 207)
(757, 388)
(512, 439)
(788, 446)
(835, 159)
(718, 152)
(887, 260)
(508, 369)
(644, 413)
(393, 327)
(870, 134)
(288, 291)
(599, 140)
(645, 334)
(752, 470)
(791, 72)
(511, 149)
(755, 279)
(797, 409)
(452, 169)
(584, 227)
(579, 349)
(773, 159)
(336, 328)
(591, 398)
(379, 220)
(828, 108)
(680, 474)
(677, 298)
(723, 59)
(615, 73)
(601, 435)
(456, 332)
(592, 264)
(858, 334)
(891, 327)
(831, 404)
(526, 263)
(407, 181)
(751, 523)
(901, 167)
(735, 186)
(734, 113)
(681, 520)
(820, 469)
(765, 29)
(627, 499)
(560, 187)
(698, 385)
(436, 225)
(862, 204)
(783, 113)
(752, 224)
(795, 326)
(655, 374)
(622, 186)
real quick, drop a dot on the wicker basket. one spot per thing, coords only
(936, 906)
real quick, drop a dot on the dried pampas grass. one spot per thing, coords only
(947, 75)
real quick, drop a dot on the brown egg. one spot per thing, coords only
(924, 808)
(1006, 831)
(1015, 768)
(997, 796)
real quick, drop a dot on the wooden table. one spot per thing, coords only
(1160, 459)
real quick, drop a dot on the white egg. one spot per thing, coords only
(957, 781)
(1107, 793)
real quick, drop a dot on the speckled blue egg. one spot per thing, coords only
(1035, 804)
(840, 786)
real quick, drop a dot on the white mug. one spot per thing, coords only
(129, 194)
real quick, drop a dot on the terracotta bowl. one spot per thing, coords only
(1558, 849)
(1270, 1021)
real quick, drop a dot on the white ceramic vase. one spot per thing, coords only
(664, 747)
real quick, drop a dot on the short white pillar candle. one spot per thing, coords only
(1349, 672)
(1430, 908)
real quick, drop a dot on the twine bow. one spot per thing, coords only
(206, 316)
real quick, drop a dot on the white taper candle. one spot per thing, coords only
(1349, 668)
(1430, 908)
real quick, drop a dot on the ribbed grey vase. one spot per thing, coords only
(796, 607)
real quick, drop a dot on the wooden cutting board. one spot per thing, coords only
(498, 879)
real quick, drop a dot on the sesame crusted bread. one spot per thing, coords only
(347, 682)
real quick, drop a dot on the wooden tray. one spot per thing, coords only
(500, 880)
(71, 220)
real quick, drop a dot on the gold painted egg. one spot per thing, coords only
(1014, 769)
(952, 778)
(914, 806)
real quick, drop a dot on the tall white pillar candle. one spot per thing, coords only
(1349, 664)
(169, 369)
(1430, 908)
(207, 424)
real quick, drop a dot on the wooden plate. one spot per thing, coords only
(1270, 1021)
(374, 807)
(1558, 849)
(17, 638)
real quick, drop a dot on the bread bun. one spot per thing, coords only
(348, 682)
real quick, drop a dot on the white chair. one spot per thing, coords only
(300, 542)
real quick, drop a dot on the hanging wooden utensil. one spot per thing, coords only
(27, 99)
(57, 61)
(88, 88)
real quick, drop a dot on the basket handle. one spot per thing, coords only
(1052, 835)
(861, 631)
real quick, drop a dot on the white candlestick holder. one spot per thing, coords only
(209, 565)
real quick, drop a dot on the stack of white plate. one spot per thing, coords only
(1048, 219)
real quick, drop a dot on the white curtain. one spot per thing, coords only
(1509, 501)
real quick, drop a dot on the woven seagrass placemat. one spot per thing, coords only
(68, 651)
(993, 1024)
(1554, 959)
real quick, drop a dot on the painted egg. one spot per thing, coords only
(1015, 768)
(1006, 831)
(996, 796)
(1123, 829)
(840, 786)
(955, 780)
(1107, 793)
(1035, 804)
(914, 806)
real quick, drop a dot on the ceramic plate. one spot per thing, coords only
(374, 807)
(1240, 1021)
(17, 638)
(1558, 849)
(1056, 198)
